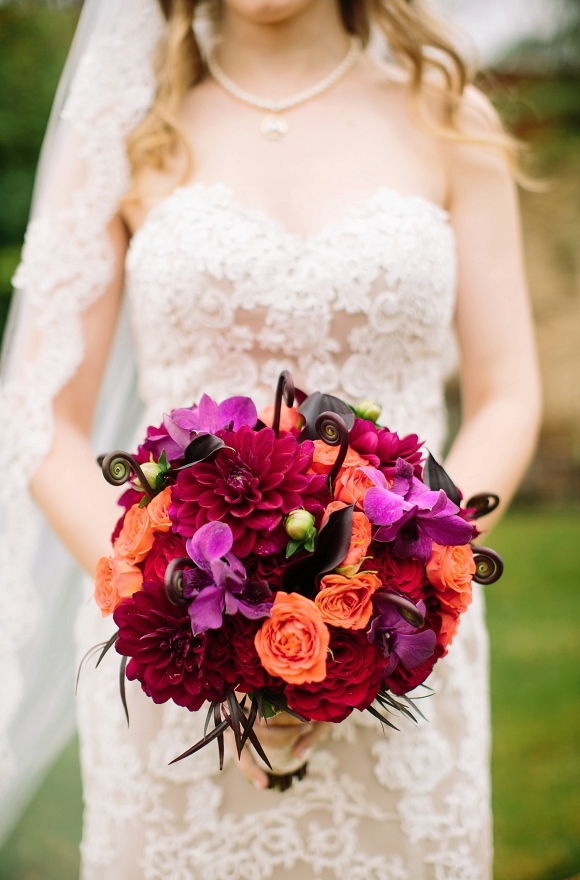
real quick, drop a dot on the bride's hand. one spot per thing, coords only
(282, 731)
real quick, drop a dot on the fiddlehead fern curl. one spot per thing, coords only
(488, 565)
(331, 428)
(174, 580)
(285, 390)
(117, 468)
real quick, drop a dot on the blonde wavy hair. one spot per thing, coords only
(420, 44)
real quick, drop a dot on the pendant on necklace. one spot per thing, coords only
(274, 127)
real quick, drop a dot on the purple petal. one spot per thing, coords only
(254, 612)
(377, 477)
(449, 531)
(206, 611)
(418, 491)
(391, 665)
(383, 508)
(419, 545)
(238, 410)
(211, 541)
(413, 650)
(224, 576)
(194, 580)
(186, 418)
(208, 414)
(179, 435)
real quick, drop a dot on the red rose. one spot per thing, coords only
(266, 568)
(406, 576)
(354, 669)
(166, 546)
(231, 660)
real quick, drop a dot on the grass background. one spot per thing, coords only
(533, 614)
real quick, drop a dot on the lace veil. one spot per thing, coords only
(105, 90)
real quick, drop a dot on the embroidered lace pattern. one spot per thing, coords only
(65, 266)
(222, 298)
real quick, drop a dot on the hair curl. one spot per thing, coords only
(418, 41)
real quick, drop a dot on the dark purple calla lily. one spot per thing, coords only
(219, 583)
(397, 637)
(411, 515)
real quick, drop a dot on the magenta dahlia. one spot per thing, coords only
(166, 657)
(250, 485)
(382, 447)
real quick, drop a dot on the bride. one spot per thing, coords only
(349, 233)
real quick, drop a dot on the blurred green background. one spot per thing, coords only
(533, 611)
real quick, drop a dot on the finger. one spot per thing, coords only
(320, 730)
(246, 764)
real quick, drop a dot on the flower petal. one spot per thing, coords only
(383, 508)
(238, 410)
(415, 649)
(210, 542)
(206, 611)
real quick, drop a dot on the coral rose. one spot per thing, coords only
(136, 537)
(289, 417)
(158, 511)
(293, 642)
(351, 486)
(325, 456)
(115, 580)
(346, 602)
(359, 543)
(450, 570)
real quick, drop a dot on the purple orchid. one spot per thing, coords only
(397, 637)
(219, 582)
(411, 515)
(181, 426)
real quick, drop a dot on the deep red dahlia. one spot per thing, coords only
(165, 655)
(251, 485)
(354, 670)
(231, 659)
(166, 547)
(406, 576)
(382, 447)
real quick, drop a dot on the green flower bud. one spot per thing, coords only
(368, 409)
(299, 524)
(151, 470)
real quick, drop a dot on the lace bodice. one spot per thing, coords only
(223, 298)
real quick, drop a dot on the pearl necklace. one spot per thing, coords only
(274, 125)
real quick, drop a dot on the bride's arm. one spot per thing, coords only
(500, 385)
(68, 485)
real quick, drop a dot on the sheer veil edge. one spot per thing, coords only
(105, 90)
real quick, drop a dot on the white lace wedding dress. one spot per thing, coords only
(222, 298)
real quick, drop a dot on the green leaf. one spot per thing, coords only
(292, 547)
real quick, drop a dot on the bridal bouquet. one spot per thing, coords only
(299, 560)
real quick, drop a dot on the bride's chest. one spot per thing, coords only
(201, 258)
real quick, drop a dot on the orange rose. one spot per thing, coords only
(157, 510)
(325, 456)
(450, 570)
(346, 602)
(115, 580)
(106, 595)
(359, 543)
(289, 417)
(293, 642)
(351, 486)
(136, 537)
(449, 627)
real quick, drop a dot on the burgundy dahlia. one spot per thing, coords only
(382, 447)
(250, 485)
(165, 655)
(354, 670)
